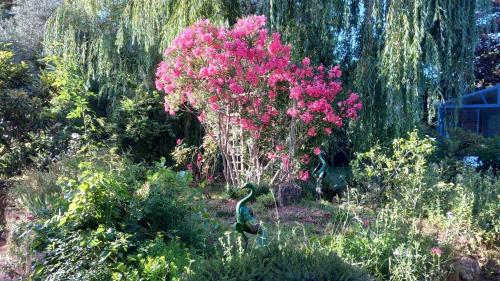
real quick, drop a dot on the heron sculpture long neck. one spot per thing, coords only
(250, 196)
(322, 158)
(245, 221)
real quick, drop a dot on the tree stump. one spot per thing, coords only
(289, 193)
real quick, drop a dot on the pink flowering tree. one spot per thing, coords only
(263, 111)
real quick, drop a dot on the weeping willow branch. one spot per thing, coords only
(118, 43)
(414, 53)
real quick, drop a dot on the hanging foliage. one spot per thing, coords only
(367, 80)
(414, 54)
(401, 56)
(401, 65)
(118, 43)
(324, 29)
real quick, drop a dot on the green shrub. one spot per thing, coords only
(128, 220)
(155, 260)
(107, 254)
(267, 200)
(12, 74)
(423, 208)
(388, 171)
(71, 102)
(38, 191)
(390, 249)
(166, 204)
(482, 200)
(465, 208)
(43, 117)
(19, 113)
(462, 143)
(41, 191)
(277, 262)
(140, 125)
(235, 192)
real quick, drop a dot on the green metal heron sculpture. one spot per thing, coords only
(245, 221)
(320, 171)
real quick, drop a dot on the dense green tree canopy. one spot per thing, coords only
(401, 56)
(119, 43)
(117, 46)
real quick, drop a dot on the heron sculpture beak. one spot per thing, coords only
(247, 185)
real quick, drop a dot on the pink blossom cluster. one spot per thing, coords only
(436, 251)
(244, 75)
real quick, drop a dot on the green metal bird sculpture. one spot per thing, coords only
(245, 221)
(320, 171)
(330, 181)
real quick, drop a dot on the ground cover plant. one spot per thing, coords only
(128, 128)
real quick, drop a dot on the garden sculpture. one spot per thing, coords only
(245, 221)
(320, 171)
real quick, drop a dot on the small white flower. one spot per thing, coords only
(75, 136)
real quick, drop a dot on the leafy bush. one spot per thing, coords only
(140, 125)
(267, 200)
(119, 217)
(19, 113)
(461, 143)
(202, 160)
(161, 207)
(465, 208)
(106, 254)
(158, 260)
(71, 102)
(446, 199)
(41, 191)
(39, 122)
(236, 192)
(481, 194)
(12, 74)
(389, 170)
(390, 249)
(38, 191)
(277, 262)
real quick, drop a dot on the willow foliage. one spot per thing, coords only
(367, 80)
(119, 42)
(320, 29)
(414, 53)
(401, 64)
(401, 56)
